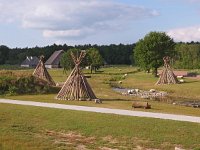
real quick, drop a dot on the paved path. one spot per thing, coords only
(105, 110)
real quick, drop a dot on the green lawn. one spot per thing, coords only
(100, 83)
(188, 90)
(27, 127)
(35, 128)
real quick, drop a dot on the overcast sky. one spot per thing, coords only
(27, 23)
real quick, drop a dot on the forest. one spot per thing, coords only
(185, 55)
(112, 54)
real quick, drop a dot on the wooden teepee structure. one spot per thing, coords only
(76, 86)
(167, 76)
(42, 73)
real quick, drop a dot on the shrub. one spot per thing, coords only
(192, 74)
(12, 90)
(5, 83)
(12, 83)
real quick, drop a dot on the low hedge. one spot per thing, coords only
(11, 83)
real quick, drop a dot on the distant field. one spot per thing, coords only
(100, 82)
(11, 67)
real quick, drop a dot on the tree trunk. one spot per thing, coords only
(91, 68)
(155, 72)
(95, 69)
(148, 70)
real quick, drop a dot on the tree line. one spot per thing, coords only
(187, 56)
(111, 54)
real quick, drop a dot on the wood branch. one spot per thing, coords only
(167, 76)
(42, 73)
(76, 86)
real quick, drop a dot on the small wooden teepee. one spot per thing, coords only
(76, 86)
(167, 76)
(42, 73)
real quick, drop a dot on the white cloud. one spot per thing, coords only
(186, 34)
(70, 34)
(72, 19)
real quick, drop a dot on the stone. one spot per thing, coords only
(180, 77)
(137, 90)
(178, 148)
(152, 90)
(98, 101)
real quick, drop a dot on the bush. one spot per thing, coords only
(5, 83)
(23, 84)
(192, 74)
(12, 90)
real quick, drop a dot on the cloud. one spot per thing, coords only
(70, 34)
(72, 19)
(186, 34)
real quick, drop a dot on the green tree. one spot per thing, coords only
(66, 60)
(150, 50)
(4, 54)
(94, 59)
(187, 56)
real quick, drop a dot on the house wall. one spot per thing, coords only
(51, 66)
(29, 66)
(25, 66)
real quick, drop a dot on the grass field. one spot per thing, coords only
(100, 83)
(32, 128)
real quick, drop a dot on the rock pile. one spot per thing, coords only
(151, 94)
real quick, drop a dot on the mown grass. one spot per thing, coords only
(100, 83)
(27, 127)
(188, 90)
(34, 128)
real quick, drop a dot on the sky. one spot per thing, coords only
(30, 23)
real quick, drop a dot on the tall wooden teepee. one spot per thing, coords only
(76, 86)
(42, 73)
(167, 76)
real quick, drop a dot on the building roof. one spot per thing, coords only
(31, 61)
(54, 59)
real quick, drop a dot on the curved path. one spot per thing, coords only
(105, 110)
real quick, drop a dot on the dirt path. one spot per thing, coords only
(105, 110)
